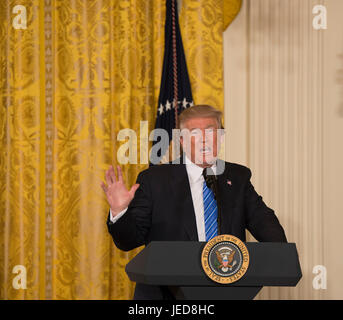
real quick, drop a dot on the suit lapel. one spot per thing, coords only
(227, 199)
(183, 198)
(184, 202)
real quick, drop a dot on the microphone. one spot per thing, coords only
(211, 180)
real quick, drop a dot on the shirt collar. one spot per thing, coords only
(194, 171)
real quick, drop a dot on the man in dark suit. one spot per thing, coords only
(168, 204)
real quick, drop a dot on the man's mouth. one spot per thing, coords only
(205, 150)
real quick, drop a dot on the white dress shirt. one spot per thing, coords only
(196, 182)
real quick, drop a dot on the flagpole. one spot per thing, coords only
(175, 65)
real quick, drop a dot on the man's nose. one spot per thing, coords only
(206, 136)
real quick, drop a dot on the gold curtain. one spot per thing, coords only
(80, 72)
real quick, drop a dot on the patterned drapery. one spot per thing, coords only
(79, 72)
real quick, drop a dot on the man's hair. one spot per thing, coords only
(200, 111)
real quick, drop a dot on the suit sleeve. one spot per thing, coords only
(131, 230)
(261, 221)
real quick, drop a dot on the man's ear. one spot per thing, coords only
(222, 137)
(181, 140)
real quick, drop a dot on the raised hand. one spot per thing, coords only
(117, 195)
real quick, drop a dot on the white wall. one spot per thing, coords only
(284, 119)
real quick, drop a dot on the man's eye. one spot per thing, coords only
(195, 133)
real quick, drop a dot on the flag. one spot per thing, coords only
(175, 85)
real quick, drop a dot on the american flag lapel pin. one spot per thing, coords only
(229, 182)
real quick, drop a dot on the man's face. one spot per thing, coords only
(199, 139)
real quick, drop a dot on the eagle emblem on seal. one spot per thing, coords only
(225, 259)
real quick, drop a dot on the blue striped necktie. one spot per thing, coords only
(210, 212)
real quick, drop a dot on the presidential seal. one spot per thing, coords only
(225, 259)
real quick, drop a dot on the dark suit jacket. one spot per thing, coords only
(162, 210)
